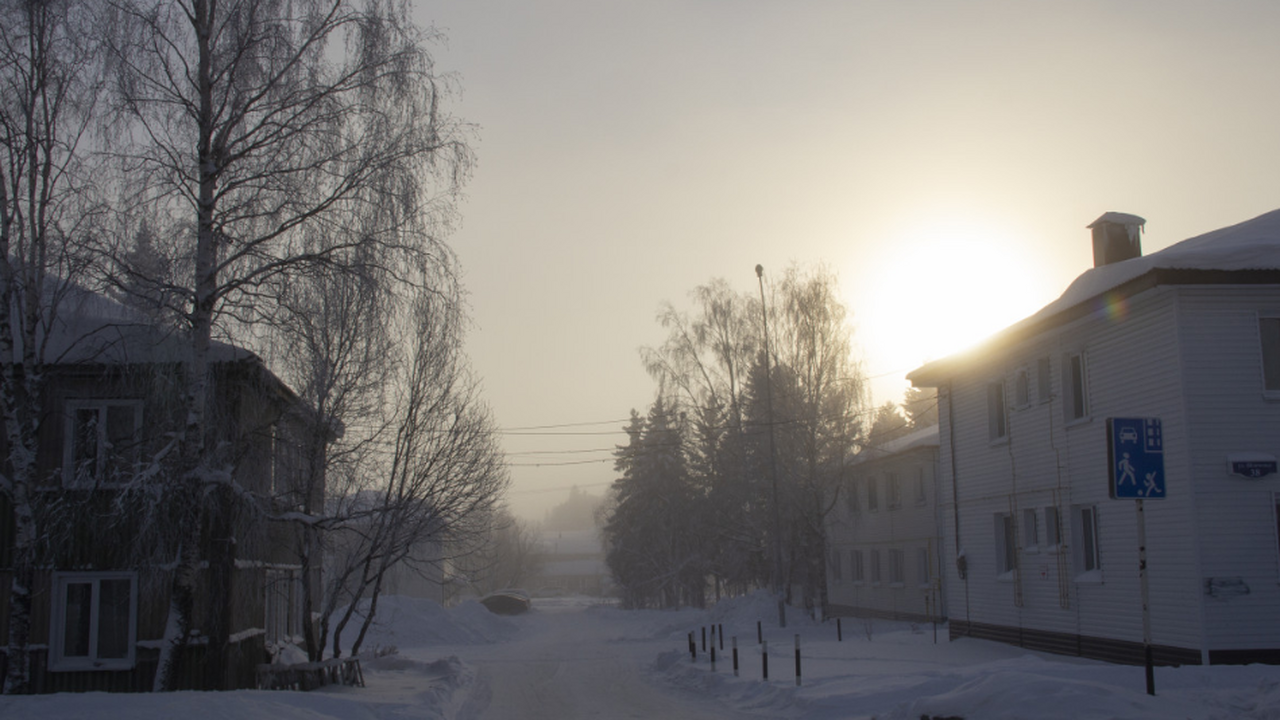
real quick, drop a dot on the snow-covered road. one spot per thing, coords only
(567, 661)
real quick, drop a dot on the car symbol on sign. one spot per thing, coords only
(1128, 434)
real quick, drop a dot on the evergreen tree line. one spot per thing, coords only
(692, 511)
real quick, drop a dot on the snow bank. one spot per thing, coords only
(405, 622)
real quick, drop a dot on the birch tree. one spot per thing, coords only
(248, 129)
(440, 479)
(48, 94)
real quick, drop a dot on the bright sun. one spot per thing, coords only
(939, 288)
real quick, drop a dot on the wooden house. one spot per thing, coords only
(101, 595)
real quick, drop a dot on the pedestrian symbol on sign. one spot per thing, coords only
(1135, 447)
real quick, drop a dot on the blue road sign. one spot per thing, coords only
(1135, 447)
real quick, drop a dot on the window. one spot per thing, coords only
(897, 571)
(923, 570)
(895, 490)
(837, 570)
(1006, 544)
(1074, 389)
(875, 566)
(101, 441)
(851, 496)
(1044, 382)
(1276, 498)
(873, 499)
(921, 498)
(93, 621)
(1269, 331)
(997, 415)
(1052, 530)
(855, 566)
(283, 605)
(1022, 389)
(1084, 528)
(1030, 531)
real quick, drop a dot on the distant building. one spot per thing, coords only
(572, 564)
(1037, 552)
(883, 533)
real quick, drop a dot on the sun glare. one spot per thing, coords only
(939, 288)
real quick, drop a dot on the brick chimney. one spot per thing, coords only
(1116, 237)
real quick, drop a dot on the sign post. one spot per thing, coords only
(1135, 450)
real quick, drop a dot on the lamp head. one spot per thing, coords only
(759, 271)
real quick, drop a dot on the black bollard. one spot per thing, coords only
(693, 648)
(713, 657)
(704, 638)
(759, 633)
(720, 634)
(797, 660)
(839, 632)
(735, 656)
(764, 660)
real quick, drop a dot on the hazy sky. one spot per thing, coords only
(942, 157)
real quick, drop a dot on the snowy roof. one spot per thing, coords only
(93, 328)
(1242, 250)
(924, 437)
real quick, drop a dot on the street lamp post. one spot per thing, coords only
(773, 460)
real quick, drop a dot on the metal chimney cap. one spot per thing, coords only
(1118, 218)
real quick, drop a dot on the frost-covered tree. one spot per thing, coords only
(49, 65)
(264, 139)
(713, 363)
(437, 483)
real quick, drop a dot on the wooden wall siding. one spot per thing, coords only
(908, 528)
(1235, 516)
(1046, 461)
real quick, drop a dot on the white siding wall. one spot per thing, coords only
(1133, 369)
(1228, 413)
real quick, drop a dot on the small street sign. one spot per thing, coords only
(1135, 447)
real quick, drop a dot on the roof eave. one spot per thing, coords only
(938, 372)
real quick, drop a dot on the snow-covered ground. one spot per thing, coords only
(571, 658)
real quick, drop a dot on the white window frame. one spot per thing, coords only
(997, 412)
(282, 605)
(857, 571)
(1006, 545)
(1075, 388)
(1022, 388)
(1052, 527)
(894, 489)
(1269, 354)
(1085, 543)
(58, 660)
(1044, 380)
(873, 495)
(1030, 531)
(70, 436)
(897, 567)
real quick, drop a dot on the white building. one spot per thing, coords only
(1037, 553)
(884, 534)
